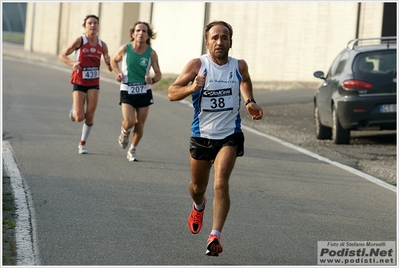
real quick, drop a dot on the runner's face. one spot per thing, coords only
(91, 26)
(140, 33)
(218, 42)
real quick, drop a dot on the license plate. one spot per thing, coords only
(388, 108)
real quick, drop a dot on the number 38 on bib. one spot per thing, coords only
(217, 100)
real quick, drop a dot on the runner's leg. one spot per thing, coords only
(199, 179)
(141, 117)
(79, 98)
(223, 166)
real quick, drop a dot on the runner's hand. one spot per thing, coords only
(255, 111)
(199, 81)
(148, 80)
(119, 77)
(76, 66)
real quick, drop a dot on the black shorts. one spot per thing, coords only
(207, 149)
(137, 100)
(84, 88)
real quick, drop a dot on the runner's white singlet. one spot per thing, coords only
(217, 105)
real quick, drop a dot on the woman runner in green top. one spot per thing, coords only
(137, 59)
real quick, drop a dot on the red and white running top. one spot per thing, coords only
(90, 59)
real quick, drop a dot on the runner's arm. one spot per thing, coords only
(107, 58)
(181, 87)
(115, 60)
(247, 91)
(155, 66)
(68, 51)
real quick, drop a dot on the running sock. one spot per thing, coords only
(132, 148)
(125, 131)
(199, 207)
(86, 131)
(215, 232)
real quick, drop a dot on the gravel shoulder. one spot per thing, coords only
(372, 152)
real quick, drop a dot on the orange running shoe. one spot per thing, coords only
(195, 219)
(214, 246)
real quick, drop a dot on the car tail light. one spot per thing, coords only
(354, 84)
(359, 110)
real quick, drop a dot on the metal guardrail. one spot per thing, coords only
(372, 41)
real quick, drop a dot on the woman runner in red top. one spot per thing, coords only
(85, 76)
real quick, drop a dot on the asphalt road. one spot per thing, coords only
(100, 209)
(288, 111)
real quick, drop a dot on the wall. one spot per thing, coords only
(41, 30)
(281, 41)
(287, 41)
(371, 19)
(179, 34)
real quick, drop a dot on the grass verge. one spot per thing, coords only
(164, 84)
(13, 37)
(9, 244)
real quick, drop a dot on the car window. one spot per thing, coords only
(342, 62)
(339, 63)
(376, 62)
(333, 67)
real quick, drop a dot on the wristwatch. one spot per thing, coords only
(153, 80)
(249, 101)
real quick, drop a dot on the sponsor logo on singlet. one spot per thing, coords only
(143, 61)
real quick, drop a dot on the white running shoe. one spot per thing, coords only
(123, 138)
(131, 155)
(71, 114)
(82, 149)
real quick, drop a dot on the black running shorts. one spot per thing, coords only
(136, 100)
(207, 149)
(84, 88)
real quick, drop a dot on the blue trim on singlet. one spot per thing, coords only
(238, 119)
(195, 129)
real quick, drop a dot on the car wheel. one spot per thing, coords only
(322, 132)
(339, 135)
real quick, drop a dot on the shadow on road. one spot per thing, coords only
(374, 137)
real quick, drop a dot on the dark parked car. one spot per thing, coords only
(359, 90)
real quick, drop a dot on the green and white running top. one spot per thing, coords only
(134, 69)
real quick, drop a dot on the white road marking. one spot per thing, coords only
(25, 236)
(323, 159)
